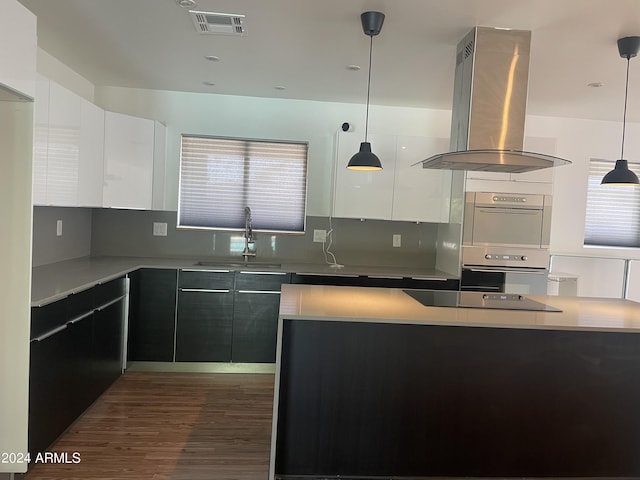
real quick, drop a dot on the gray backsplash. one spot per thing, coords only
(130, 233)
(76, 234)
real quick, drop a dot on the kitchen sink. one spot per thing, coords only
(240, 265)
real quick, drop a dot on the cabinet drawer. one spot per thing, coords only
(260, 281)
(106, 292)
(206, 279)
(48, 317)
(327, 279)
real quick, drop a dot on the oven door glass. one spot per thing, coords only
(520, 227)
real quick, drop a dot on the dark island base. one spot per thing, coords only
(380, 400)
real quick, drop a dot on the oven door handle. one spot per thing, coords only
(535, 271)
(510, 211)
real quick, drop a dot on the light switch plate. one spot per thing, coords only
(159, 229)
(397, 240)
(59, 228)
(320, 236)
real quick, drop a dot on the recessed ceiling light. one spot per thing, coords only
(280, 87)
(208, 83)
(595, 84)
(212, 58)
(353, 67)
(186, 3)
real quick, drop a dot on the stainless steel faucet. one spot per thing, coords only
(249, 241)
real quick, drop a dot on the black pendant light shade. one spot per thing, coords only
(620, 175)
(628, 48)
(365, 159)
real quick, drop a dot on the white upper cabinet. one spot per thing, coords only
(63, 159)
(129, 151)
(40, 140)
(362, 194)
(159, 160)
(18, 50)
(420, 194)
(401, 191)
(68, 148)
(91, 167)
(86, 157)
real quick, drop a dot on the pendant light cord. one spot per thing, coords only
(366, 123)
(624, 115)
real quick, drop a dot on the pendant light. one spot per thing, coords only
(621, 175)
(365, 159)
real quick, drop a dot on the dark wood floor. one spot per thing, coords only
(171, 426)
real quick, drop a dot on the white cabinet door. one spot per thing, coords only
(420, 194)
(128, 161)
(361, 194)
(63, 159)
(159, 156)
(40, 140)
(18, 49)
(597, 277)
(633, 281)
(91, 167)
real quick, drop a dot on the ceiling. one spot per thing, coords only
(306, 46)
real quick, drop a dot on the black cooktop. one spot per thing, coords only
(500, 301)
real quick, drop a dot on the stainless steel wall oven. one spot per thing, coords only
(505, 244)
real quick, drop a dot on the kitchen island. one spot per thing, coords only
(370, 383)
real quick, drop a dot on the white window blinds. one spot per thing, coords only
(613, 212)
(219, 177)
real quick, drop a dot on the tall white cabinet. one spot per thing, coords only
(402, 191)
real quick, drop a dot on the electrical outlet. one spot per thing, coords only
(320, 236)
(397, 240)
(159, 229)
(59, 228)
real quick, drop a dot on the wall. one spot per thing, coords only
(268, 118)
(16, 142)
(318, 122)
(75, 241)
(579, 140)
(55, 70)
(129, 233)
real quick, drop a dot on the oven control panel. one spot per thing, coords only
(506, 258)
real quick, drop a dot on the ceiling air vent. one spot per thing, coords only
(218, 23)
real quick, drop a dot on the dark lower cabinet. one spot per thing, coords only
(108, 345)
(376, 281)
(50, 411)
(203, 329)
(204, 316)
(255, 327)
(152, 315)
(75, 355)
(255, 316)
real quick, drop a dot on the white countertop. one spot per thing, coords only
(57, 280)
(312, 302)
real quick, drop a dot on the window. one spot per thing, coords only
(613, 212)
(219, 177)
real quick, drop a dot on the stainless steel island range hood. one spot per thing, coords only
(489, 105)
